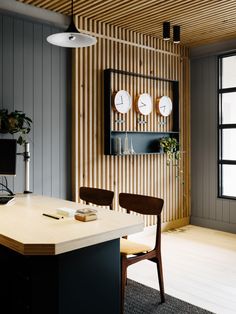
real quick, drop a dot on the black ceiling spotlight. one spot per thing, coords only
(166, 30)
(71, 38)
(176, 34)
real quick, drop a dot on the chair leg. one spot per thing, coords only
(160, 277)
(123, 283)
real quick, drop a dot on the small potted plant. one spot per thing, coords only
(15, 122)
(170, 146)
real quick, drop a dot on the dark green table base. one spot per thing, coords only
(84, 281)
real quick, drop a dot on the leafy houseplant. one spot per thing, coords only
(15, 122)
(170, 146)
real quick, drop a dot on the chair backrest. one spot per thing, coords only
(96, 196)
(142, 204)
(146, 205)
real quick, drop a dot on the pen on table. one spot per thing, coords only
(53, 216)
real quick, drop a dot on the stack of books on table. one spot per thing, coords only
(86, 214)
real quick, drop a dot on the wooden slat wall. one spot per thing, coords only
(145, 174)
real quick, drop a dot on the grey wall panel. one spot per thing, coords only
(65, 119)
(62, 134)
(226, 211)
(196, 139)
(35, 78)
(47, 113)
(232, 209)
(212, 112)
(65, 115)
(18, 91)
(219, 210)
(7, 67)
(203, 147)
(38, 110)
(28, 82)
(207, 209)
(55, 122)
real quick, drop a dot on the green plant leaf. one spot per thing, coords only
(15, 122)
(170, 146)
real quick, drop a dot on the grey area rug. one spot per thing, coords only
(140, 299)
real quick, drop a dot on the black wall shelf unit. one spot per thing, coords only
(143, 142)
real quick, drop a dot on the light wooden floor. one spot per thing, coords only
(199, 267)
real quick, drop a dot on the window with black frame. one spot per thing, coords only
(227, 126)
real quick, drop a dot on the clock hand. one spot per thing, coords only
(121, 103)
(143, 105)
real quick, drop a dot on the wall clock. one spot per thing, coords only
(164, 106)
(122, 101)
(143, 104)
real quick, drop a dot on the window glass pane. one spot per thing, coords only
(228, 180)
(229, 108)
(229, 144)
(229, 72)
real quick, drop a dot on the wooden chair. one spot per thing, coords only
(132, 252)
(97, 196)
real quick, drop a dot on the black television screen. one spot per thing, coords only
(7, 157)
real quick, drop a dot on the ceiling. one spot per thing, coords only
(201, 21)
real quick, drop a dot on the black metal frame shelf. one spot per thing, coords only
(143, 142)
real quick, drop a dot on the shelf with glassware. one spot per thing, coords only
(138, 143)
(150, 122)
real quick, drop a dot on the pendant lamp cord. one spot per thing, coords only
(72, 8)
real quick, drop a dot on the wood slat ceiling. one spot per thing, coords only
(201, 21)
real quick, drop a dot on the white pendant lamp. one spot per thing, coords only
(71, 38)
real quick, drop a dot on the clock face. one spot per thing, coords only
(144, 104)
(164, 106)
(122, 101)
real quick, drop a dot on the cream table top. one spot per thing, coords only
(24, 229)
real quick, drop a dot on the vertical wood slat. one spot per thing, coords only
(138, 173)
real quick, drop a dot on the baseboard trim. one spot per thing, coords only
(213, 224)
(165, 226)
(175, 224)
(150, 230)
